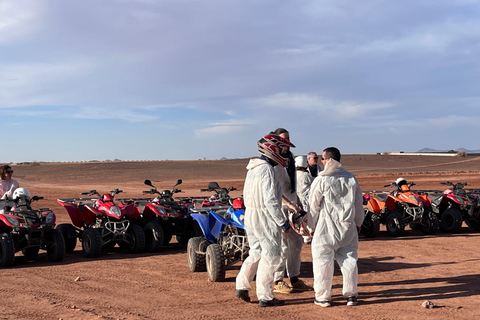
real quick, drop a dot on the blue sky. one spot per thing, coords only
(185, 79)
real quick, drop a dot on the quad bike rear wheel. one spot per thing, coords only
(429, 223)
(69, 235)
(55, 245)
(92, 243)
(196, 248)
(371, 225)
(7, 250)
(154, 236)
(136, 239)
(395, 224)
(30, 253)
(215, 261)
(451, 220)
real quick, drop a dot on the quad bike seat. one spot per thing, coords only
(381, 196)
(141, 205)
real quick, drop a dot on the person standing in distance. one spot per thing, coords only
(313, 166)
(335, 216)
(264, 221)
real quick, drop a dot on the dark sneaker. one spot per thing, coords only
(300, 285)
(270, 303)
(242, 295)
(352, 301)
(323, 303)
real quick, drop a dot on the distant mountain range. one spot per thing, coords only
(456, 150)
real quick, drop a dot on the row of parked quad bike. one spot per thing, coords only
(425, 210)
(101, 222)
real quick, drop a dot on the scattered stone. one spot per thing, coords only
(78, 279)
(427, 304)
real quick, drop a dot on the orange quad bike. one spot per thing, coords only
(405, 207)
(373, 210)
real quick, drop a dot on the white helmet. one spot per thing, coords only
(21, 193)
(400, 181)
(301, 162)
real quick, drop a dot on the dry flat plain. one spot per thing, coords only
(396, 274)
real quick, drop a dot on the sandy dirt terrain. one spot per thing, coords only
(396, 274)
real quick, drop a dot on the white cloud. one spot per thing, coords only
(222, 128)
(18, 19)
(325, 107)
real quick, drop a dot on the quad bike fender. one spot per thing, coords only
(131, 211)
(391, 202)
(204, 221)
(47, 212)
(89, 215)
(220, 222)
(376, 206)
(74, 212)
(5, 224)
(152, 210)
(237, 217)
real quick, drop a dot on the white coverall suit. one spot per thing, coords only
(263, 220)
(304, 181)
(291, 241)
(336, 209)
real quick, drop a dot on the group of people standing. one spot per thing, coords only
(278, 186)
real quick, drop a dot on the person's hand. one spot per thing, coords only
(286, 227)
(358, 229)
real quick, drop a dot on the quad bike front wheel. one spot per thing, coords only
(429, 223)
(92, 243)
(196, 248)
(451, 220)
(7, 250)
(69, 235)
(215, 261)
(135, 239)
(371, 225)
(55, 245)
(153, 236)
(395, 224)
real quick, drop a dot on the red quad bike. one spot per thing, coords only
(163, 217)
(454, 206)
(99, 222)
(25, 229)
(405, 207)
(371, 223)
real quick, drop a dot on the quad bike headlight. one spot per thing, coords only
(12, 221)
(116, 211)
(50, 218)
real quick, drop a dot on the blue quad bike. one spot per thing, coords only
(224, 241)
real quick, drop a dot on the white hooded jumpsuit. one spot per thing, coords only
(304, 182)
(336, 209)
(291, 241)
(263, 220)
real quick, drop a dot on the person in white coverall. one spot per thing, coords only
(304, 181)
(336, 215)
(292, 242)
(264, 221)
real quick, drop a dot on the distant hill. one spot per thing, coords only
(457, 150)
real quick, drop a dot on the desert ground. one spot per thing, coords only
(395, 274)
